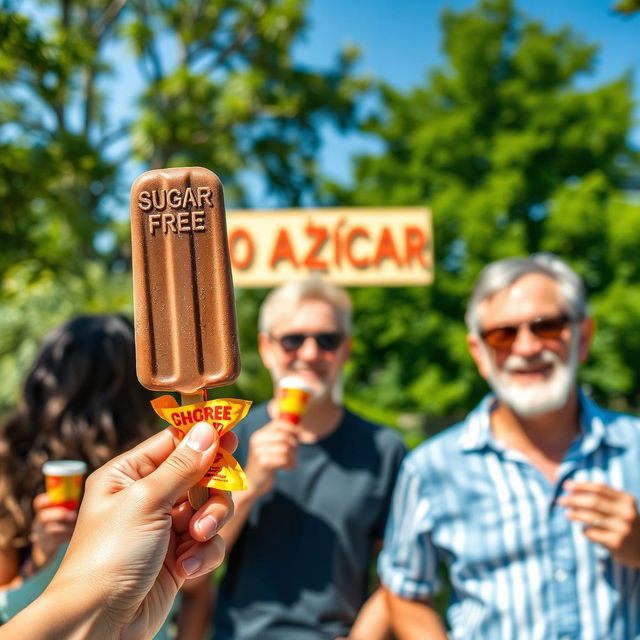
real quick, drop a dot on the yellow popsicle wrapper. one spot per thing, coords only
(223, 414)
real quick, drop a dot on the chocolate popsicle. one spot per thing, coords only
(183, 302)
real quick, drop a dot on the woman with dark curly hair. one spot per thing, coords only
(81, 400)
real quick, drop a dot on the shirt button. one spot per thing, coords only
(560, 576)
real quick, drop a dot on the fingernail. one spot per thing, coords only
(207, 527)
(201, 436)
(192, 564)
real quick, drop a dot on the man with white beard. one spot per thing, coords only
(305, 535)
(531, 501)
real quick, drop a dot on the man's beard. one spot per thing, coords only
(322, 388)
(541, 397)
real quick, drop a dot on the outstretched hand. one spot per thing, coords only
(137, 539)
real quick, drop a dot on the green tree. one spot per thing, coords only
(512, 157)
(627, 6)
(216, 86)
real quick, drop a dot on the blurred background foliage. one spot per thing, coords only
(499, 141)
(627, 6)
(512, 158)
(218, 89)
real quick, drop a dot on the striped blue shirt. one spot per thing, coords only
(518, 567)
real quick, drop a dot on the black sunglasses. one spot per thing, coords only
(545, 328)
(327, 341)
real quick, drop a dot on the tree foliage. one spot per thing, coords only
(211, 83)
(627, 6)
(503, 141)
(512, 157)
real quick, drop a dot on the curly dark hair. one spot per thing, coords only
(81, 400)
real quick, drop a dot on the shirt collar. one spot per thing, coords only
(477, 434)
(596, 425)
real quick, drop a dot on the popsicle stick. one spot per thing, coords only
(197, 495)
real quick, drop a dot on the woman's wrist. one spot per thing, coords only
(62, 611)
(85, 617)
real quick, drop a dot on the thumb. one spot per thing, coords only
(187, 465)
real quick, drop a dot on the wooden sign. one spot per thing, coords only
(352, 246)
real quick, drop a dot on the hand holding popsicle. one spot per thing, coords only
(135, 543)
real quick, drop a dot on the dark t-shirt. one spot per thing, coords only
(300, 567)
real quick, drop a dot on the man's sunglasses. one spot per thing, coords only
(327, 341)
(544, 328)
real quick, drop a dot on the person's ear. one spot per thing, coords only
(479, 354)
(265, 349)
(587, 329)
(346, 348)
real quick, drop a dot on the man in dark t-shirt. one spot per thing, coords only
(304, 535)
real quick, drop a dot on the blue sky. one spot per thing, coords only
(400, 40)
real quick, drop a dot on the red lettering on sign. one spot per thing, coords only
(356, 232)
(386, 248)
(337, 243)
(415, 244)
(241, 235)
(283, 250)
(320, 234)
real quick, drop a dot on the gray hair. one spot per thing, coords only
(284, 299)
(503, 273)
